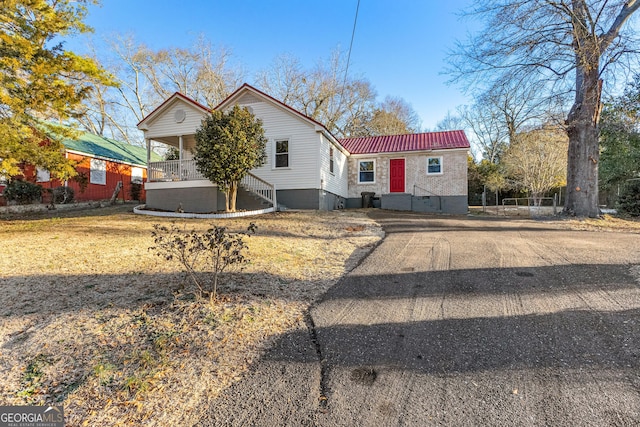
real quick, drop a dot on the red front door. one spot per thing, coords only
(396, 175)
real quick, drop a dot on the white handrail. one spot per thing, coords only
(260, 188)
(174, 170)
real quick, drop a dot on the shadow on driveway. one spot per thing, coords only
(547, 340)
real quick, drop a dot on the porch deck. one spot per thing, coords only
(185, 170)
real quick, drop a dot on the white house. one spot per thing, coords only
(306, 166)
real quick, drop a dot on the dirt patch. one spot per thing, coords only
(93, 320)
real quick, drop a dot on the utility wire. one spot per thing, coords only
(353, 34)
(346, 70)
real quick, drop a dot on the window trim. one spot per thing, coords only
(94, 170)
(42, 175)
(138, 178)
(440, 163)
(373, 161)
(275, 153)
(331, 160)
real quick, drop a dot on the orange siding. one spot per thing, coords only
(115, 172)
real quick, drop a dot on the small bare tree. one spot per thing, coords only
(204, 256)
(537, 161)
(321, 93)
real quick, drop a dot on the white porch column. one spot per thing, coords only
(148, 141)
(180, 156)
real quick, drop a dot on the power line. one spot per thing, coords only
(346, 69)
(353, 34)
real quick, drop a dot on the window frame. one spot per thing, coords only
(276, 154)
(98, 174)
(373, 171)
(440, 164)
(137, 178)
(42, 175)
(331, 160)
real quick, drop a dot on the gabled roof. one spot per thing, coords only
(105, 148)
(169, 101)
(247, 87)
(409, 142)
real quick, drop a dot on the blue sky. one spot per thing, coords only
(399, 45)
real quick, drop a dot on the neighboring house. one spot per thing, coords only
(103, 162)
(306, 166)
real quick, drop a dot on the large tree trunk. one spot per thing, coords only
(584, 154)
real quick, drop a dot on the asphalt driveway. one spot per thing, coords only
(462, 321)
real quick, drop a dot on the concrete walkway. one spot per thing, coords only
(462, 321)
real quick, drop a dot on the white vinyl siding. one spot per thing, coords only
(303, 148)
(334, 182)
(98, 174)
(165, 124)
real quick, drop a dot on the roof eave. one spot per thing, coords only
(246, 86)
(142, 124)
(431, 150)
(108, 159)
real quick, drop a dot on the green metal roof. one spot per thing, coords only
(98, 146)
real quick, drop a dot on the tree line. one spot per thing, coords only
(538, 64)
(539, 73)
(145, 77)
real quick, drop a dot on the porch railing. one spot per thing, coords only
(185, 170)
(174, 170)
(260, 188)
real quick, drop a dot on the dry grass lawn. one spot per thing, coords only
(93, 320)
(607, 223)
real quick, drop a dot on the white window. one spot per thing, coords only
(42, 175)
(434, 165)
(366, 171)
(331, 159)
(282, 153)
(98, 173)
(136, 175)
(3, 178)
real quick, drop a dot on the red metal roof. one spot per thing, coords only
(410, 142)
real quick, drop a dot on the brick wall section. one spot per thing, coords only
(452, 182)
